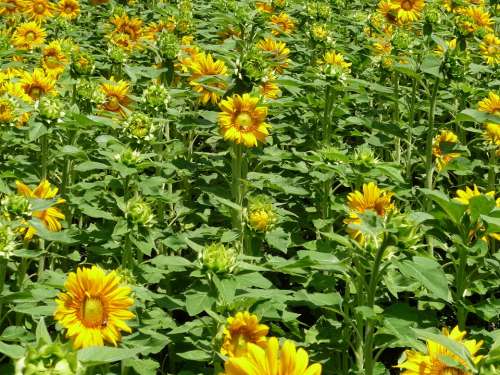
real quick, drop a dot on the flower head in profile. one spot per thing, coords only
(276, 51)
(490, 49)
(68, 9)
(54, 60)
(441, 145)
(491, 104)
(28, 35)
(273, 360)
(38, 10)
(242, 329)
(464, 196)
(492, 133)
(336, 60)
(50, 216)
(242, 121)
(437, 358)
(116, 95)
(408, 10)
(94, 307)
(38, 83)
(283, 23)
(207, 77)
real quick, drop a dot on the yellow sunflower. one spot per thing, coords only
(268, 87)
(492, 133)
(408, 10)
(187, 56)
(7, 111)
(242, 329)
(434, 361)
(283, 22)
(38, 83)
(11, 7)
(372, 198)
(480, 18)
(50, 217)
(53, 59)
(272, 361)
(94, 308)
(207, 77)
(242, 121)
(16, 90)
(450, 45)
(263, 6)
(445, 139)
(491, 104)
(388, 10)
(68, 9)
(130, 26)
(28, 35)
(277, 51)
(490, 49)
(116, 95)
(335, 59)
(38, 10)
(464, 196)
(153, 29)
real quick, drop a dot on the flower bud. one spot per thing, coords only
(219, 259)
(82, 63)
(319, 32)
(88, 92)
(50, 108)
(168, 44)
(139, 212)
(16, 206)
(117, 55)
(129, 157)
(156, 97)
(7, 111)
(324, 11)
(7, 240)
(139, 126)
(261, 215)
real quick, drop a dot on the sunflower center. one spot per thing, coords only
(30, 36)
(451, 371)
(492, 50)
(35, 92)
(113, 104)
(407, 5)
(93, 312)
(244, 120)
(39, 8)
(69, 9)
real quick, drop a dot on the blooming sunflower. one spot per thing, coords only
(283, 22)
(408, 10)
(53, 59)
(11, 7)
(126, 25)
(492, 133)
(116, 95)
(153, 29)
(268, 87)
(94, 307)
(490, 49)
(272, 361)
(50, 217)
(335, 59)
(38, 10)
(206, 74)
(434, 361)
(440, 144)
(263, 6)
(480, 18)
(372, 198)
(464, 196)
(28, 35)
(7, 111)
(491, 104)
(388, 10)
(277, 51)
(68, 9)
(38, 83)
(242, 121)
(242, 329)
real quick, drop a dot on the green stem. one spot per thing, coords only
(395, 113)
(461, 285)
(491, 170)
(428, 146)
(327, 115)
(236, 190)
(44, 147)
(3, 274)
(41, 262)
(411, 121)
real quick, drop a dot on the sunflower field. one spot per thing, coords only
(242, 187)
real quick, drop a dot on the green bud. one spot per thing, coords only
(117, 55)
(219, 259)
(255, 67)
(139, 212)
(185, 6)
(88, 92)
(402, 39)
(129, 157)
(82, 63)
(7, 241)
(16, 205)
(365, 155)
(324, 11)
(50, 108)
(139, 126)
(156, 97)
(168, 44)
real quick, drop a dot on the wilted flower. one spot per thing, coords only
(139, 212)
(218, 258)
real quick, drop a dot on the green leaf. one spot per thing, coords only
(480, 205)
(162, 261)
(279, 239)
(454, 209)
(42, 335)
(198, 302)
(429, 274)
(12, 351)
(493, 223)
(472, 115)
(90, 166)
(195, 355)
(431, 65)
(105, 354)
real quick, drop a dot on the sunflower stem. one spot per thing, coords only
(395, 114)
(461, 286)
(44, 148)
(3, 274)
(428, 146)
(236, 170)
(327, 115)
(491, 169)
(411, 121)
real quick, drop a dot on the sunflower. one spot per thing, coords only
(335, 59)
(437, 359)
(372, 198)
(283, 22)
(388, 10)
(277, 51)
(16, 90)
(11, 7)
(490, 49)
(38, 10)
(450, 45)
(264, 7)
(207, 77)
(272, 361)
(492, 133)
(241, 330)
(116, 95)
(28, 35)
(53, 59)
(480, 18)
(408, 10)
(126, 25)
(242, 122)
(94, 307)
(68, 9)
(7, 111)
(38, 83)
(153, 29)
(464, 196)
(491, 104)
(440, 145)
(50, 217)
(268, 87)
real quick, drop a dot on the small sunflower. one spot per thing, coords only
(492, 133)
(116, 95)
(68, 9)
(479, 17)
(490, 49)
(441, 142)
(283, 23)
(464, 196)
(153, 29)
(15, 89)
(268, 87)
(408, 10)
(126, 25)
(272, 360)
(335, 59)
(264, 7)
(54, 60)
(11, 7)
(207, 77)
(28, 35)
(277, 51)
(240, 330)
(450, 45)
(50, 217)
(388, 10)
(94, 307)
(7, 111)
(491, 104)
(38, 10)
(38, 83)
(434, 361)
(242, 121)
